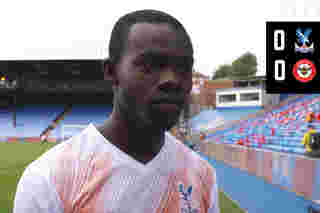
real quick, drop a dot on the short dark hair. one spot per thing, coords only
(120, 32)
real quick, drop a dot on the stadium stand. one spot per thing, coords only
(237, 113)
(83, 114)
(288, 124)
(32, 119)
(6, 122)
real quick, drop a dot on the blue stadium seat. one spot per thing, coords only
(287, 136)
(34, 118)
(84, 114)
(6, 123)
(299, 150)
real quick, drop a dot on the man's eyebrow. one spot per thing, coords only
(150, 53)
(158, 54)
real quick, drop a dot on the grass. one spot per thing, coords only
(14, 157)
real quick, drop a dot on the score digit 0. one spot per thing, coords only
(276, 35)
(279, 75)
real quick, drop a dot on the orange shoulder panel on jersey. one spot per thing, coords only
(79, 180)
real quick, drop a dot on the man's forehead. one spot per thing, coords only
(145, 36)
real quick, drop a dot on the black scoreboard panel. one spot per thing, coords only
(293, 57)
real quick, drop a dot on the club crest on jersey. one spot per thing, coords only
(186, 198)
(304, 44)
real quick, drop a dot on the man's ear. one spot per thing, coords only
(109, 71)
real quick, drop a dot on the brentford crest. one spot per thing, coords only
(304, 70)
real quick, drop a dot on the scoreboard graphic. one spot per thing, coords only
(293, 57)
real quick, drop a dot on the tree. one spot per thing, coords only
(222, 72)
(244, 66)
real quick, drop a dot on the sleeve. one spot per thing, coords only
(35, 194)
(214, 203)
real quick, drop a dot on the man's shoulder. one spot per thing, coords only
(77, 148)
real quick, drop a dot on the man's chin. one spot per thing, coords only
(162, 120)
(165, 124)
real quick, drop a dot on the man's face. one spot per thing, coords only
(154, 76)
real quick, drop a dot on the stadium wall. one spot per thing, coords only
(238, 92)
(289, 172)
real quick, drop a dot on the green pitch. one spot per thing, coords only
(14, 157)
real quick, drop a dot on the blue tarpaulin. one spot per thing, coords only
(210, 119)
(206, 119)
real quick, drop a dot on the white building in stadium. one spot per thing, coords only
(246, 93)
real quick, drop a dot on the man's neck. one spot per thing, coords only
(141, 144)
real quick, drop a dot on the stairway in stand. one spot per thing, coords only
(45, 134)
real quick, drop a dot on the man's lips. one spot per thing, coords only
(167, 106)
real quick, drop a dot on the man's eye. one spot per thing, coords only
(159, 64)
(153, 65)
(156, 62)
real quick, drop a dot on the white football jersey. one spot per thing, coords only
(88, 174)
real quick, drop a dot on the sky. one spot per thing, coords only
(220, 31)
